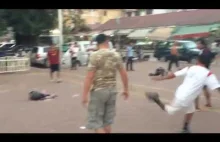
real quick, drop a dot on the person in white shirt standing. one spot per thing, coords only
(73, 53)
(196, 77)
(91, 48)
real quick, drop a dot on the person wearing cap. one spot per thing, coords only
(100, 81)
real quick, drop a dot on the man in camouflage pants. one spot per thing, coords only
(102, 69)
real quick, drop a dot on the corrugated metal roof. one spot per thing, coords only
(183, 30)
(93, 26)
(196, 17)
(124, 31)
(109, 32)
(94, 33)
(161, 33)
(139, 34)
(80, 34)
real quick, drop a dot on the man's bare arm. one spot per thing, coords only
(124, 78)
(172, 75)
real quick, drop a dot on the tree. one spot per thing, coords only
(3, 25)
(214, 34)
(28, 24)
(73, 23)
(80, 25)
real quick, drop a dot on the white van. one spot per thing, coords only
(82, 54)
(94, 46)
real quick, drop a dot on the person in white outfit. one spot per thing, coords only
(73, 52)
(196, 77)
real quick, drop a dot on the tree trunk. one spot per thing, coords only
(29, 40)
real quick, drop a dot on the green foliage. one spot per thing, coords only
(214, 35)
(3, 25)
(29, 21)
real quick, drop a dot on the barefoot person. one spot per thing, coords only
(54, 61)
(101, 79)
(195, 78)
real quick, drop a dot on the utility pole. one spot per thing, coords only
(60, 23)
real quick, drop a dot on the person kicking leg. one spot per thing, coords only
(174, 107)
(196, 77)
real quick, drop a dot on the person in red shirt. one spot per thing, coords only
(54, 61)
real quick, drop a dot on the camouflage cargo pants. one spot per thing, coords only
(101, 109)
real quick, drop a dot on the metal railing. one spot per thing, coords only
(14, 64)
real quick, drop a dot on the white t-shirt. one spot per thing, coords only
(195, 79)
(74, 51)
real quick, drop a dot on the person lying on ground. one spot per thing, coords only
(159, 71)
(35, 96)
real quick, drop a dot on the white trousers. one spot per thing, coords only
(177, 105)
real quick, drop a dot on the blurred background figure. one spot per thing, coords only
(74, 48)
(139, 53)
(130, 56)
(91, 48)
(208, 55)
(174, 56)
(53, 56)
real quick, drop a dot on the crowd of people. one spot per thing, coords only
(99, 92)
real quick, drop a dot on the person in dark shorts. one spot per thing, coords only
(174, 58)
(208, 56)
(100, 81)
(130, 56)
(54, 61)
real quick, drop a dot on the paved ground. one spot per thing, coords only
(66, 115)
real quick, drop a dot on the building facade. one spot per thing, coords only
(100, 16)
(96, 17)
(144, 12)
(136, 12)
